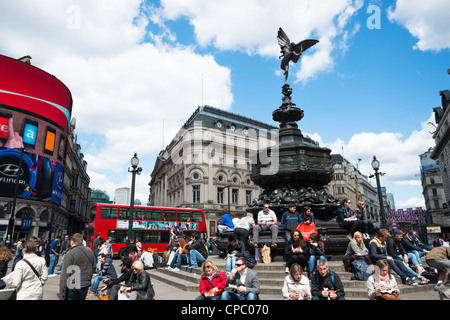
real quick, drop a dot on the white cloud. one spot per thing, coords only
(426, 20)
(123, 87)
(398, 156)
(412, 202)
(250, 26)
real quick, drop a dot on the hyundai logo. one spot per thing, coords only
(10, 170)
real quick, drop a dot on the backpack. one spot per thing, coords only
(332, 278)
(360, 268)
(251, 261)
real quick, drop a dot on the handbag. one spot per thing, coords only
(32, 268)
(307, 229)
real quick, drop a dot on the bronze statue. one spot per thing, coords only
(291, 51)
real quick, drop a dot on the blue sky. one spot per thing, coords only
(132, 65)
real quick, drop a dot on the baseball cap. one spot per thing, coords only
(398, 231)
(413, 233)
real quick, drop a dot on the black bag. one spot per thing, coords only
(258, 255)
(360, 270)
(430, 275)
(251, 261)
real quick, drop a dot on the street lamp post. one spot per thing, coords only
(376, 167)
(134, 170)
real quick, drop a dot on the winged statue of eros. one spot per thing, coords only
(291, 51)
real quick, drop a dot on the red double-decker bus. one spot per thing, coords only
(154, 226)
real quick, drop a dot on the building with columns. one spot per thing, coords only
(208, 164)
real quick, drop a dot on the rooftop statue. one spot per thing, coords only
(291, 51)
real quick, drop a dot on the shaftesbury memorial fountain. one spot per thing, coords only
(303, 167)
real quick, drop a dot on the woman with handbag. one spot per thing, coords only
(29, 275)
(382, 285)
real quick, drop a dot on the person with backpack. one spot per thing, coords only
(326, 284)
(357, 250)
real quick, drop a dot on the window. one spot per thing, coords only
(248, 197)
(235, 163)
(153, 214)
(195, 158)
(196, 176)
(140, 214)
(434, 192)
(169, 215)
(108, 213)
(234, 196)
(184, 216)
(432, 181)
(196, 194)
(197, 216)
(124, 213)
(220, 194)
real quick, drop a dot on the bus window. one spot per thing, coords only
(169, 215)
(124, 213)
(184, 216)
(93, 213)
(140, 214)
(154, 214)
(197, 216)
(108, 213)
(119, 236)
(159, 236)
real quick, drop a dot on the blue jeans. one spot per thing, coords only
(179, 259)
(96, 282)
(366, 226)
(230, 295)
(195, 257)
(77, 294)
(230, 264)
(400, 268)
(312, 262)
(202, 298)
(415, 255)
(287, 234)
(51, 267)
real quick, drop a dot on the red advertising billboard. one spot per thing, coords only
(35, 111)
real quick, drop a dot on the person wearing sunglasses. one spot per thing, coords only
(243, 281)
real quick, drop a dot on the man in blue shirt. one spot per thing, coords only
(226, 224)
(54, 253)
(290, 220)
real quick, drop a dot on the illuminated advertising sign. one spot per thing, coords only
(35, 115)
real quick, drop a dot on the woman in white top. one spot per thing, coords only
(243, 226)
(28, 280)
(296, 286)
(382, 285)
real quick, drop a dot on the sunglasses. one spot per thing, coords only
(239, 264)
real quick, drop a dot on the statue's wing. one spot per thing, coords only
(283, 39)
(304, 45)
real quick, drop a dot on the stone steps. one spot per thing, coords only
(271, 277)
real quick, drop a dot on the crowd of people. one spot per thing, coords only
(305, 252)
(87, 273)
(82, 269)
